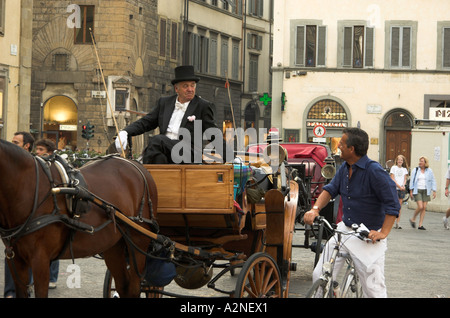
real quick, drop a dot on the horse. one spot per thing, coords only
(27, 203)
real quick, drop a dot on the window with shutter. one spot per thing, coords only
(395, 46)
(321, 46)
(446, 48)
(253, 73)
(358, 43)
(213, 56)
(256, 8)
(310, 45)
(162, 37)
(204, 57)
(401, 37)
(358, 46)
(194, 50)
(260, 8)
(224, 57)
(368, 61)
(174, 41)
(254, 41)
(348, 39)
(406, 47)
(2, 18)
(235, 61)
(300, 46)
(237, 7)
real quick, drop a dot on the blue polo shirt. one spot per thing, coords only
(367, 196)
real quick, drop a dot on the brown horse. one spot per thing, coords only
(25, 194)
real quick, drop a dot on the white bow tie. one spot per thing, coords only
(180, 106)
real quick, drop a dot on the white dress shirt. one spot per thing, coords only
(175, 120)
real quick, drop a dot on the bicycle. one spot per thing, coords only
(326, 286)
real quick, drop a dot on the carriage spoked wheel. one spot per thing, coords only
(109, 288)
(259, 278)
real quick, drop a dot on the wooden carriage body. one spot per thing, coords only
(197, 207)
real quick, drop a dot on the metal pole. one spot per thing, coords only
(185, 58)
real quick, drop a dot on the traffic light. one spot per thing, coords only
(90, 131)
(283, 101)
(84, 132)
(87, 131)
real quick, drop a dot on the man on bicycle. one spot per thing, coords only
(369, 196)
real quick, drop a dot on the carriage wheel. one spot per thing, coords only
(259, 278)
(109, 288)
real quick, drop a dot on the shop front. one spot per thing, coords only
(59, 122)
(325, 122)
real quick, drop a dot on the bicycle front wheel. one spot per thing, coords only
(351, 287)
(320, 289)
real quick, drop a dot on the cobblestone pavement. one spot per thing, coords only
(416, 266)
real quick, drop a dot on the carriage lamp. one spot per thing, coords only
(328, 170)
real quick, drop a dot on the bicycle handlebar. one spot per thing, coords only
(359, 231)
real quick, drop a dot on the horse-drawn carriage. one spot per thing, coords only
(206, 207)
(246, 218)
(152, 223)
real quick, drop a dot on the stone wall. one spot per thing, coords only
(127, 42)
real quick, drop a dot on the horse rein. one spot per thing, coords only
(9, 234)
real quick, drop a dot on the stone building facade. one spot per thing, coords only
(378, 66)
(15, 66)
(68, 88)
(138, 43)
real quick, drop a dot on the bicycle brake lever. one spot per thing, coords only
(364, 233)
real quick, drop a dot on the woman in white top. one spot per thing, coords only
(399, 173)
(421, 185)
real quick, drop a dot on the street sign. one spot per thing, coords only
(266, 99)
(319, 131)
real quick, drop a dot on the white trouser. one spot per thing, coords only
(371, 276)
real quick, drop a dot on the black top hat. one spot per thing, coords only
(184, 73)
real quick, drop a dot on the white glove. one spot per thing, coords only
(122, 138)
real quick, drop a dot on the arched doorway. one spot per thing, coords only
(59, 122)
(332, 115)
(251, 115)
(398, 125)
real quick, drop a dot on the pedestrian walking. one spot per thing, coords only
(447, 213)
(422, 186)
(399, 173)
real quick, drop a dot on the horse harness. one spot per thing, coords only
(78, 199)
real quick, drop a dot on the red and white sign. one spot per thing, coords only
(319, 131)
